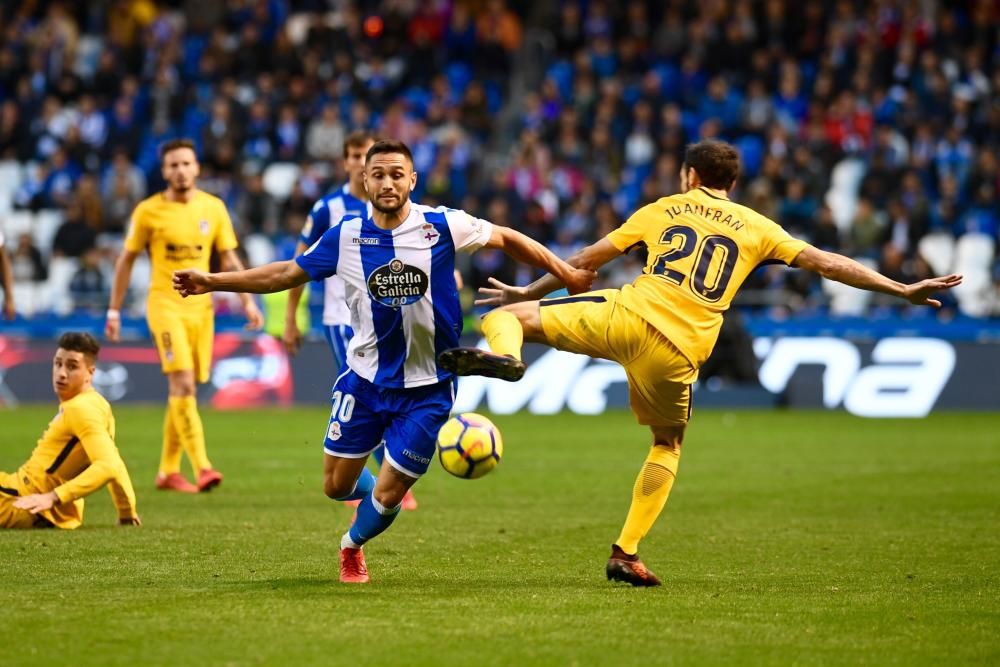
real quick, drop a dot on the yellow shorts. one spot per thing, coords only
(594, 324)
(184, 341)
(10, 516)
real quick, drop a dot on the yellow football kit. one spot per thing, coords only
(180, 236)
(75, 456)
(663, 326)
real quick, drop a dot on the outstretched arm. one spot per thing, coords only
(530, 251)
(273, 277)
(589, 259)
(846, 270)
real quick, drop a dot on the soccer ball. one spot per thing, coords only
(469, 446)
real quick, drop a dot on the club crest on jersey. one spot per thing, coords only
(334, 433)
(203, 226)
(397, 284)
(429, 233)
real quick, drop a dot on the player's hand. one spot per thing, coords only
(292, 337)
(191, 281)
(580, 280)
(9, 313)
(919, 293)
(113, 329)
(37, 502)
(129, 521)
(501, 294)
(255, 319)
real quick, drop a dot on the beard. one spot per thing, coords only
(390, 208)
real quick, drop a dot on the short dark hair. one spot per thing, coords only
(717, 163)
(80, 341)
(389, 146)
(174, 144)
(357, 139)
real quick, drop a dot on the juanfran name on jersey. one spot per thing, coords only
(400, 287)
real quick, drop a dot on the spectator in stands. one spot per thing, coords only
(89, 286)
(74, 237)
(256, 210)
(26, 261)
(325, 136)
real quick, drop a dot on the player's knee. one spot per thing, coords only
(668, 436)
(390, 497)
(182, 384)
(338, 489)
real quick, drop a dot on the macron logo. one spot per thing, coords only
(359, 240)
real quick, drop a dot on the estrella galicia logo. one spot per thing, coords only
(397, 284)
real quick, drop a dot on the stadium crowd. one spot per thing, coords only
(869, 128)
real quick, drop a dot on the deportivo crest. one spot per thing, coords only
(334, 433)
(397, 284)
(429, 233)
(203, 226)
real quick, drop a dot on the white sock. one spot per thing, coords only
(347, 543)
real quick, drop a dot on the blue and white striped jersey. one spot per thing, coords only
(400, 287)
(326, 213)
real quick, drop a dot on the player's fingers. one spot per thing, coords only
(933, 302)
(489, 291)
(487, 302)
(496, 283)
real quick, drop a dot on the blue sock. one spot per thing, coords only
(363, 487)
(378, 455)
(372, 521)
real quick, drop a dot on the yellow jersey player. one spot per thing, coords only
(180, 228)
(663, 326)
(76, 454)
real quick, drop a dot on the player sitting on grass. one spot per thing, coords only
(399, 274)
(663, 326)
(76, 454)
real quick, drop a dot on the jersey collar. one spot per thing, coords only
(703, 189)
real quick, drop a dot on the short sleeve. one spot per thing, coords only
(468, 233)
(317, 222)
(320, 259)
(633, 231)
(138, 232)
(778, 245)
(225, 237)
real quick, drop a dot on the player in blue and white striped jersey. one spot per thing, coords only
(348, 201)
(398, 270)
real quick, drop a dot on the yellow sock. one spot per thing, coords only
(170, 457)
(189, 430)
(649, 495)
(503, 333)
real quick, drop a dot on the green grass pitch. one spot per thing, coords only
(790, 539)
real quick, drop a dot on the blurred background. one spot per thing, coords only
(868, 128)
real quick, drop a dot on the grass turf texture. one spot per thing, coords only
(790, 538)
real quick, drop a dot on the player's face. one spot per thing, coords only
(180, 169)
(389, 179)
(354, 163)
(71, 373)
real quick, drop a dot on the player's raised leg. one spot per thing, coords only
(505, 330)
